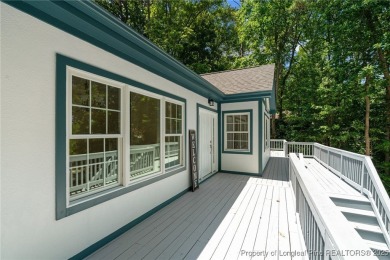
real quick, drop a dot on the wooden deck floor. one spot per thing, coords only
(229, 217)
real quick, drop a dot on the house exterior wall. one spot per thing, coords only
(28, 85)
(245, 162)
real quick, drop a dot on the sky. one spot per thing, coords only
(234, 3)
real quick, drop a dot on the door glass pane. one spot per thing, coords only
(144, 135)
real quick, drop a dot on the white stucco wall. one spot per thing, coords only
(248, 163)
(29, 229)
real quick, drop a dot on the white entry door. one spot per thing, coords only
(208, 142)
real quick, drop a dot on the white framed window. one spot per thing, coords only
(94, 142)
(118, 135)
(173, 134)
(237, 136)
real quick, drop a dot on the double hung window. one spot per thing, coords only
(237, 127)
(94, 143)
(118, 135)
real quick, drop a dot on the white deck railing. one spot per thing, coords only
(323, 227)
(93, 171)
(355, 169)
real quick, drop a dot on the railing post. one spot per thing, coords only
(285, 148)
(327, 164)
(362, 179)
(342, 165)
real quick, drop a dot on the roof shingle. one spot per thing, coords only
(243, 80)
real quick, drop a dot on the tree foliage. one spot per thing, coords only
(332, 59)
(200, 33)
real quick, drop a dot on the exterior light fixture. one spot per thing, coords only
(211, 102)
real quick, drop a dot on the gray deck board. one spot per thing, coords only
(228, 214)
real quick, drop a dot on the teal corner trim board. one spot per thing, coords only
(219, 137)
(261, 129)
(250, 111)
(62, 210)
(91, 249)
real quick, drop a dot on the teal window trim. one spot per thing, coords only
(250, 111)
(62, 209)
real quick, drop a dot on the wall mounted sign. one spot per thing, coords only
(193, 160)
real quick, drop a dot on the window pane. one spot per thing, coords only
(111, 162)
(230, 137)
(114, 98)
(174, 110)
(244, 137)
(77, 165)
(237, 119)
(80, 120)
(179, 112)
(244, 118)
(173, 126)
(229, 119)
(236, 127)
(229, 127)
(80, 91)
(237, 137)
(168, 126)
(96, 163)
(230, 145)
(172, 151)
(244, 127)
(96, 146)
(168, 109)
(244, 145)
(178, 126)
(144, 135)
(98, 95)
(113, 122)
(98, 121)
(237, 145)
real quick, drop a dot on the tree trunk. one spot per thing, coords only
(386, 73)
(367, 118)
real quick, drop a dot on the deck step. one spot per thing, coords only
(366, 227)
(361, 198)
(377, 245)
(349, 203)
(363, 212)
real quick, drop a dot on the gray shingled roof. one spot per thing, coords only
(243, 80)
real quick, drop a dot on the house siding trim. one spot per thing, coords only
(62, 210)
